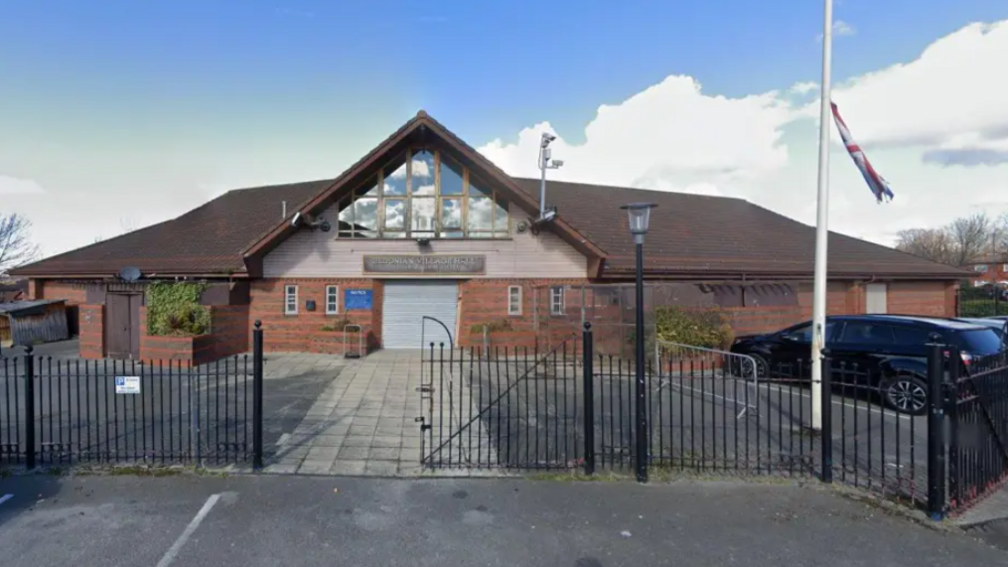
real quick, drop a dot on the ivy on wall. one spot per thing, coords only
(173, 309)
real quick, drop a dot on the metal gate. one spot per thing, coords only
(503, 407)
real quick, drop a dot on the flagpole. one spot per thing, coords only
(822, 221)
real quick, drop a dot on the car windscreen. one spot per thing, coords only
(980, 341)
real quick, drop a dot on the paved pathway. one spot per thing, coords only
(363, 423)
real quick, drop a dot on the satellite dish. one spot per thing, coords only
(130, 274)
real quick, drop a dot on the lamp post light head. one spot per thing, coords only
(639, 218)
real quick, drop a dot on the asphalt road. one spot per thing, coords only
(286, 520)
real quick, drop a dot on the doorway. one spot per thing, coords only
(122, 325)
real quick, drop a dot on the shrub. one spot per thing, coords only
(338, 326)
(705, 327)
(173, 309)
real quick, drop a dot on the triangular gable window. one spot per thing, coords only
(423, 193)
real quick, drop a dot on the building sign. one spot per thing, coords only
(357, 299)
(127, 384)
(434, 264)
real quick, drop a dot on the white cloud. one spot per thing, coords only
(915, 119)
(840, 29)
(950, 99)
(670, 136)
(15, 186)
(804, 88)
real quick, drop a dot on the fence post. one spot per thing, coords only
(29, 363)
(826, 411)
(589, 400)
(936, 428)
(257, 396)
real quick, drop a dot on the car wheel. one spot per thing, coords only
(905, 394)
(761, 369)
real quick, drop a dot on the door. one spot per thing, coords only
(405, 304)
(875, 299)
(122, 325)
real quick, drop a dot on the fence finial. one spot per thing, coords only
(587, 325)
(28, 349)
(258, 324)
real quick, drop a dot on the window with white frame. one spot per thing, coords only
(982, 268)
(556, 301)
(290, 300)
(331, 299)
(514, 300)
(1004, 267)
(423, 193)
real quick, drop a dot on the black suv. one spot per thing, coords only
(892, 349)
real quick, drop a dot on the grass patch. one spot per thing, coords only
(579, 476)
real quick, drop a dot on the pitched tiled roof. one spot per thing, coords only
(714, 236)
(207, 240)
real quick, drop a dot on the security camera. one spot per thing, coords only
(296, 220)
(558, 163)
(547, 138)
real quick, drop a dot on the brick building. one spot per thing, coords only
(990, 268)
(423, 225)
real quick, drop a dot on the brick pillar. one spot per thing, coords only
(92, 331)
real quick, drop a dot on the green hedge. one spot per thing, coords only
(704, 327)
(173, 309)
(982, 307)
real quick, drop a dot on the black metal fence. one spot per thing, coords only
(57, 412)
(716, 412)
(978, 434)
(982, 301)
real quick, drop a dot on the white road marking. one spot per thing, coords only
(283, 439)
(5, 498)
(177, 546)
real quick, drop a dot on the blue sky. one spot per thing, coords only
(197, 87)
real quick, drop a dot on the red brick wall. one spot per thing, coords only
(229, 327)
(92, 331)
(74, 293)
(303, 332)
(921, 298)
(485, 302)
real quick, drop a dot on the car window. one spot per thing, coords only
(981, 341)
(804, 332)
(866, 333)
(912, 336)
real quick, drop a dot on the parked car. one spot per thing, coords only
(891, 349)
(996, 323)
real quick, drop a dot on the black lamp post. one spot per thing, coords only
(640, 214)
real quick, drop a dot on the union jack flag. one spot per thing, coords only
(878, 185)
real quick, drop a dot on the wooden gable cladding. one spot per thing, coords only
(422, 130)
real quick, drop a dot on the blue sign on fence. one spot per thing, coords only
(357, 299)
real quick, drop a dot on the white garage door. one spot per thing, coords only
(405, 304)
